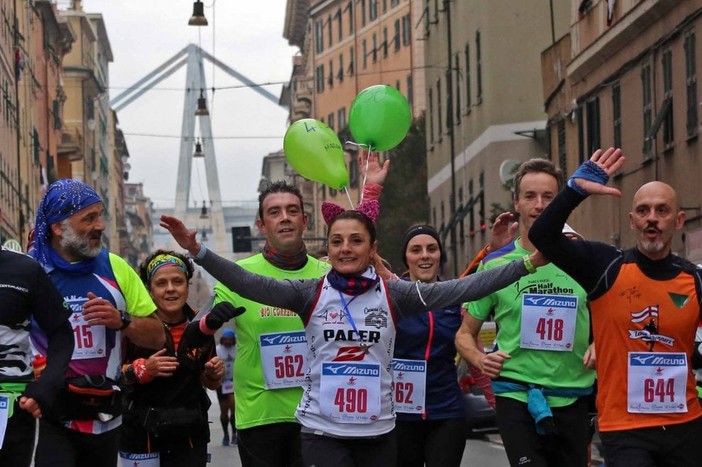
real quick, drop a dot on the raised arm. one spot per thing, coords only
(373, 173)
(582, 260)
(419, 296)
(251, 286)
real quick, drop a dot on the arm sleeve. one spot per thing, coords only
(51, 313)
(584, 261)
(262, 289)
(481, 308)
(420, 297)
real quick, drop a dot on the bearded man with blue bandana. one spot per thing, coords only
(107, 300)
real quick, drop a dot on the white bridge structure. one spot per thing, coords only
(221, 219)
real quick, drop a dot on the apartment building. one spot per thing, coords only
(345, 47)
(484, 108)
(33, 42)
(625, 75)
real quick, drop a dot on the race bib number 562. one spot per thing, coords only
(283, 359)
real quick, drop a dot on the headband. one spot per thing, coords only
(369, 208)
(164, 260)
(421, 230)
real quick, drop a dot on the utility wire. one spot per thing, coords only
(202, 138)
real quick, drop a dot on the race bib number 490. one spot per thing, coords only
(350, 392)
(283, 359)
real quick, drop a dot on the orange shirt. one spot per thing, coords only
(619, 320)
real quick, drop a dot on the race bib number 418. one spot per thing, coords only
(548, 322)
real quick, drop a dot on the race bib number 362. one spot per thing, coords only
(410, 378)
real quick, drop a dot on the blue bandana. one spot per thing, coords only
(63, 198)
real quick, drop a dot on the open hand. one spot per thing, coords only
(610, 160)
(503, 230)
(186, 238)
(221, 313)
(370, 167)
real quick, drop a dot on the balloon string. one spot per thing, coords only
(365, 174)
(349, 197)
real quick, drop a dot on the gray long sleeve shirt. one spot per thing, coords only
(406, 297)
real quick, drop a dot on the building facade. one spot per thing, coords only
(33, 42)
(626, 76)
(484, 108)
(55, 116)
(345, 47)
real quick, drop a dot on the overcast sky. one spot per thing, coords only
(247, 36)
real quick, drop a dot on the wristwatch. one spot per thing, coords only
(126, 319)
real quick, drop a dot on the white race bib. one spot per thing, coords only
(410, 379)
(89, 339)
(657, 382)
(4, 416)
(128, 459)
(283, 359)
(548, 322)
(350, 392)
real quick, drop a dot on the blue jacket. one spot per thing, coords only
(432, 334)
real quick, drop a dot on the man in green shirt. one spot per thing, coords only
(270, 364)
(540, 370)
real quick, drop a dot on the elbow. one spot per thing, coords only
(148, 333)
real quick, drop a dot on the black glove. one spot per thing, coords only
(221, 313)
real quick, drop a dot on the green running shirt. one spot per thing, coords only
(254, 404)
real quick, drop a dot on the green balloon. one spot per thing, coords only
(380, 117)
(315, 152)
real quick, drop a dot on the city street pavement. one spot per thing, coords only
(484, 452)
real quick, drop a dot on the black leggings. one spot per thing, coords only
(19, 438)
(272, 445)
(436, 443)
(659, 446)
(570, 445)
(62, 447)
(325, 451)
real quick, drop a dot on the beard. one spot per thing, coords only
(652, 246)
(78, 245)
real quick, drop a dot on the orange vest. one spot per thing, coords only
(618, 319)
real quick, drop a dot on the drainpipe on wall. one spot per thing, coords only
(449, 124)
